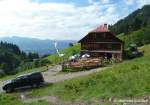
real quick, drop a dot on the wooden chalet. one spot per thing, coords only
(102, 43)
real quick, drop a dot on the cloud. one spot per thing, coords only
(50, 20)
(137, 3)
(142, 2)
(129, 2)
(90, 1)
(54, 20)
(104, 1)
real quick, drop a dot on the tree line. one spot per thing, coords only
(12, 59)
(133, 22)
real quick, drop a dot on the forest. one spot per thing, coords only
(13, 60)
(135, 28)
(133, 22)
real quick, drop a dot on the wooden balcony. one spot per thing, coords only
(103, 51)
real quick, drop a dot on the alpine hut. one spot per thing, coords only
(102, 43)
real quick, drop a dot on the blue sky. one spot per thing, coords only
(76, 2)
(61, 19)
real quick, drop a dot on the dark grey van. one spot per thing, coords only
(32, 80)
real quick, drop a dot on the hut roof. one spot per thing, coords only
(102, 28)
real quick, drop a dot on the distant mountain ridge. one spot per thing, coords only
(37, 45)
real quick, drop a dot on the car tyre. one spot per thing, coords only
(9, 90)
(35, 85)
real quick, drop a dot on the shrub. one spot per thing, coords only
(132, 52)
(2, 73)
(45, 62)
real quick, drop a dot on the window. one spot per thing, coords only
(95, 36)
(109, 46)
(104, 35)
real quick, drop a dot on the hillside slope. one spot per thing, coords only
(134, 21)
(139, 37)
(10, 58)
(127, 79)
(67, 52)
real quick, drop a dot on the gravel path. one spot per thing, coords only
(54, 101)
(51, 75)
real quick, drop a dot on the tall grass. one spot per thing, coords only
(6, 99)
(10, 99)
(128, 79)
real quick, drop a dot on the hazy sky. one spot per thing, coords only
(60, 19)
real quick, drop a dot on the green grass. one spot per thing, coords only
(7, 99)
(139, 37)
(39, 102)
(10, 99)
(68, 52)
(127, 79)
(40, 69)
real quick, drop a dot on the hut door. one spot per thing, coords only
(109, 55)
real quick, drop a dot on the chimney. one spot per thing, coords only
(105, 26)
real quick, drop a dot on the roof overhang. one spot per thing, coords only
(103, 51)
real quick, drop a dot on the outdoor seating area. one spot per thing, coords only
(84, 63)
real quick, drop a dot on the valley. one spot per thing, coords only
(43, 47)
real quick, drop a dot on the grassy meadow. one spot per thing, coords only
(10, 99)
(127, 79)
(139, 37)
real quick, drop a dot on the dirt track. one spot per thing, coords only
(52, 76)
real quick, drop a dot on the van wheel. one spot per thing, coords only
(35, 85)
(9, 90)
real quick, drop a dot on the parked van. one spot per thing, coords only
(32, 80)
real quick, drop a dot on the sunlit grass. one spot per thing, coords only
(128, 79)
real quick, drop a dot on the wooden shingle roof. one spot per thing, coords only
(102, 28)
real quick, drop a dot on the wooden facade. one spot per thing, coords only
(102, 43)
